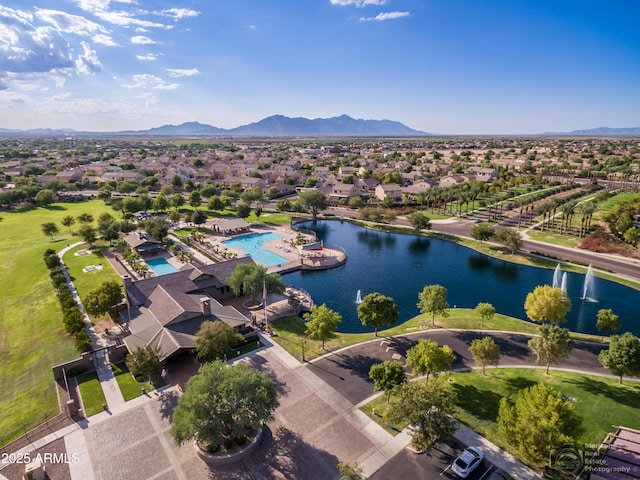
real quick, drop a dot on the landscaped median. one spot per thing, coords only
(290, 331)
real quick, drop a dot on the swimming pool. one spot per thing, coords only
(252, 244)
(161, 266)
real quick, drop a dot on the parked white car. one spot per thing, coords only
(467, 462)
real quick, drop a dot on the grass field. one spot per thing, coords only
(600, 402)
(92, 394)
(32, 337)
(129, 386)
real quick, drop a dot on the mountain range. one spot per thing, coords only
(601, 132)
(274, 126)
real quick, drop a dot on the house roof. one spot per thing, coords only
(167, 311)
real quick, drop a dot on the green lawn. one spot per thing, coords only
(129, 386)
(555, 238)
(87, 281)
(92, 394)
(32, 338)
(601, 402)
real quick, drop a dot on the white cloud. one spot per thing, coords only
(88, 64)
(68, 23)
(104, 40)
(25, 48)
(357, 3)
(60, 98)
(386, 16)
(147, 80)
(179, 13)
(101, 9)
(183, 72)
(148, 56)
(142, 40)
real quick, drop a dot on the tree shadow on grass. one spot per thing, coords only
(627, 395)
(520, 383)
(483, 404)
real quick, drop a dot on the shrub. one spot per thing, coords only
(83, 342)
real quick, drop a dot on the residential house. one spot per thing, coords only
(392, 190)
(343, 192)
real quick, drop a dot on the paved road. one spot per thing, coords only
(348, 371)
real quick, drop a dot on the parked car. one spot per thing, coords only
(500, 475)
(467, 461)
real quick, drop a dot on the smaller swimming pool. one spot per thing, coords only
(253, 245)
(161, 266)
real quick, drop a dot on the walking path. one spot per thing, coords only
(108, 382)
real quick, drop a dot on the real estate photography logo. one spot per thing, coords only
(571, 460)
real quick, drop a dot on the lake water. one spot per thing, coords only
(400, 266)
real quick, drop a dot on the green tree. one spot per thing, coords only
(67, 221)
(539, 421)
(222, 403)
(157, 227)
(313, 201)
(215, 203)
(102, 299)
(386, 376)
(419, 221)
(351, 471)
(250, 278)
(46, 197)
(377, 310)
(243, 210)
(214, 339)
(85, 218)
(108, 227)
(428, 408)
(623, 355)
(132, 205)
(607, 321)
(552, 344)
(433, 300)
(485, 352)
(49, 229)
(199, 217)
(547, 304)
(195, 200)
(482, 232)
(161, 202)
(82, 342)
(145, 362)
(177, 200)
(510, 238)
(486, 311)
(87, 233)
(322, 322)
(428, 358)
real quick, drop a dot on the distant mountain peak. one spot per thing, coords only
(274, 126)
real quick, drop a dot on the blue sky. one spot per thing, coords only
(441, 66)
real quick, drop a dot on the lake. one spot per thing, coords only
(400, 266)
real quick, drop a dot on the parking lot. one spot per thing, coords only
(408, 464)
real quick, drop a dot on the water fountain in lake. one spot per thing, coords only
(358, 298)
(563, 284)
(557, 277)
(588, 292)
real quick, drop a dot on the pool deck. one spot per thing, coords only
(285, 247)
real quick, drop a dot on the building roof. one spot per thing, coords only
(166, 311)
(621, 456)
(141, 241)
